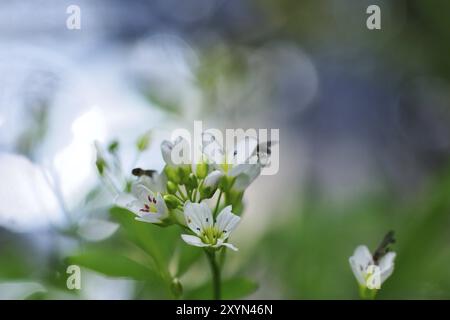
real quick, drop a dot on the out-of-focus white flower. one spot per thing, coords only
(368, 273)
(175, 152)
(199, 219)
(241, 164)
(213, 178)
(156, 182)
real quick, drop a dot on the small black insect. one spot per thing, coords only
(383, 247)
(138, 172)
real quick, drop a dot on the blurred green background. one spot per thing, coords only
(364, 119)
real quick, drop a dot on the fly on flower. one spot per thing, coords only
(208, 233)
(372, 270)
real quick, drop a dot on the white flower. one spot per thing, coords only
(156, 183)
(199, 219)
(148, 206)
(241, 163)
(213, 178)
(367, 271)
(175, 153)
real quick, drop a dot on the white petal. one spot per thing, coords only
(142, 193)
(161, 206)
(193, 240)
(129, 202)
(263, 152)
(359, 262)
(221, 242)
(229, 245)
(363, 256)
(155, 183)
(245, 174)
(198, 216)
(359, 274)
(243, 151)
(251, 170)
(386, 265)
(212, 149)
(124, 200)
(166, 150)
(227, 221)
(213, 179)
(149, 217)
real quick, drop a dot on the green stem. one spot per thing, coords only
(197, 191)
(217, 204)
(366, 293)
(178, 197)
(215, 270)
(182, 195)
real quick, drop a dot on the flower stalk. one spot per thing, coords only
(215, 272)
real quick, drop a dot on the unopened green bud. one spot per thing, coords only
(171, 187)
(172, 202)
(172, 174)
(192, 181)
(101, 165)
(225, 183)
(143, 141)
(207, 192)
(113, 146)
(183, 172)
(176, 287)
(202, 170)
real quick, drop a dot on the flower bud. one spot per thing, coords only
(143, 141)
(183, 172)
(202, 170)
(101, 165)
(176, 287)
(212, 180)
(192, 182)
(113, 147)
(172, 202)
(207, 192)
(171, 187)
(166, 150)
(172, 174)
(225, 183)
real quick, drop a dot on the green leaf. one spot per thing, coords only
(188, 255)
(158, 242)
(139, 233)
(235, 288)
(113, 264)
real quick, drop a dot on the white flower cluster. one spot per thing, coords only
(179, 193)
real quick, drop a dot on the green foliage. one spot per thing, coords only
(113, 264)
(235, 288)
